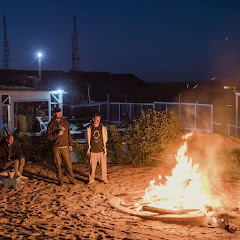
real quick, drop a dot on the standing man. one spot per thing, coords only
(10, 157)
(59, 134)
(97, 139)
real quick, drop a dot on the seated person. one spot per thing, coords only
(10, 157)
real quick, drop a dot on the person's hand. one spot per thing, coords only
(70, 148)
(105, 151)
(60, 133)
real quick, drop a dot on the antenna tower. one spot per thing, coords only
(6, 56)
(75, 53)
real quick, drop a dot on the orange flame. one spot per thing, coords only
(182, 190)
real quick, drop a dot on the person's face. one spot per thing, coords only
(96, 120)
(10, 140)
(58, 115)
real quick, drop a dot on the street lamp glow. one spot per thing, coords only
(39, 54)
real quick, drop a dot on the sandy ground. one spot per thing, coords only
(40, 209)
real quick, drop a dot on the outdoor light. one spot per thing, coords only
(60, 90)
(39, 54)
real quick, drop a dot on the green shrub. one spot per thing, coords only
(39, 149)
(232, 164)
(81, 150)
(115, 146)
(1, 136)
(149, 135)
(36, 149)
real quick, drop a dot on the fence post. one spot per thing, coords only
(236, 131)
(1, 114)
(108, 109)
(211, 118)
(130, 111)
(179, 110)
(195, 116)
(119, 112)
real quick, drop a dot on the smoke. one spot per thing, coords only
(209, 151)
(194, 115)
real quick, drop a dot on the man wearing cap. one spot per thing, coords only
(59, 134)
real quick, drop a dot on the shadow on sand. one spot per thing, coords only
(39, 177)
(79, 175)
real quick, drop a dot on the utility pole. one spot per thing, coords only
(75, 53)
(6, 56)
(108, 109)
(89, 98)
(179, 109)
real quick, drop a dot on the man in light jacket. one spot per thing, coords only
(96, 137)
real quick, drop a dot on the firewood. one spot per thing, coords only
(166, 211)
(143, 202)
(223, 224)
(190, 219)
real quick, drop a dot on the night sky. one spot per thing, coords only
(154, 39)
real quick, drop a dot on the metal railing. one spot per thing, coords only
(192, 115)
(232, 130)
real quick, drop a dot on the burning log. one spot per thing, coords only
(127, 202)
(222, 224)
(154, 199)
(166, 211)
(191, 219)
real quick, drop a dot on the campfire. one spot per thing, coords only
(183, 191)
(182, 197)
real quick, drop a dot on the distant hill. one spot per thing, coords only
(118, 86)
(121, 87)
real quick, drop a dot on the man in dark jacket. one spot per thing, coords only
(10, 157)
(59, 134)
